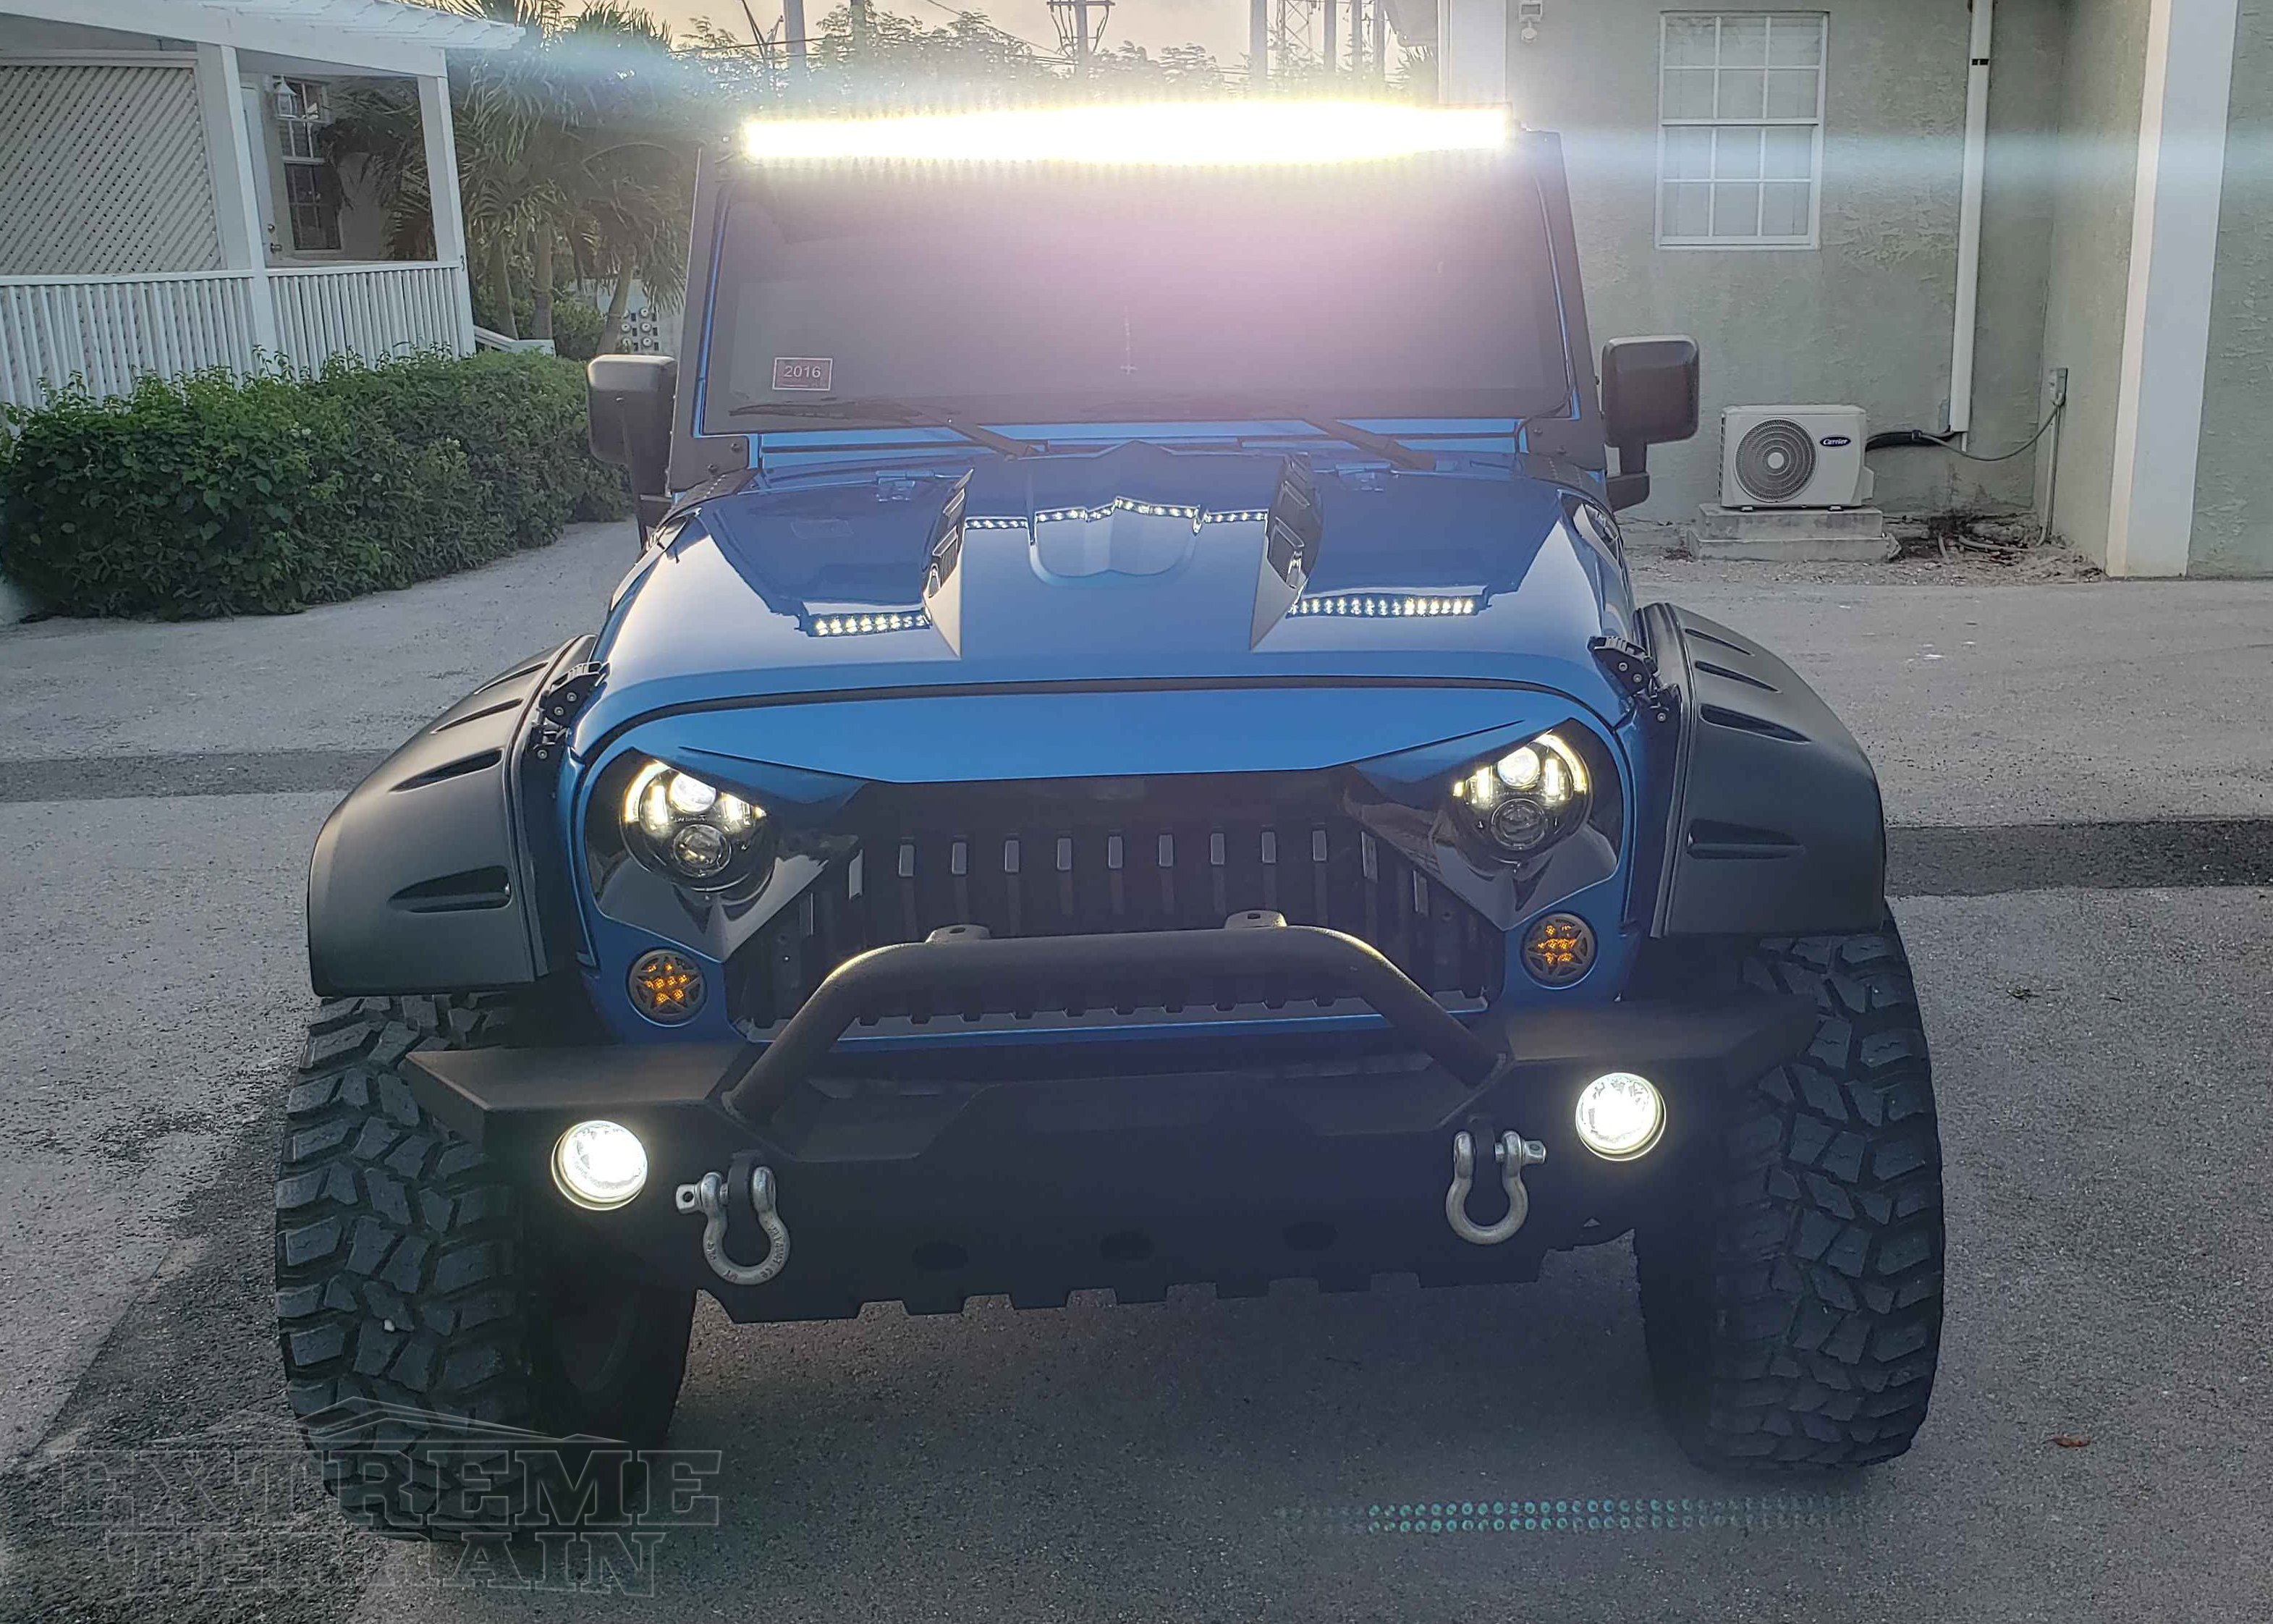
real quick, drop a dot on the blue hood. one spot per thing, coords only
(1133, 564)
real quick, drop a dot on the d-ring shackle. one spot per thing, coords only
(708, 1198)
(1513, 1152)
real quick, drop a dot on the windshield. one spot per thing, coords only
(1035, 294)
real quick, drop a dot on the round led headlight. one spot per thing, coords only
(1516, 805)
(695, 833)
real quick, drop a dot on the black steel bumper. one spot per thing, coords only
(1133, 1166)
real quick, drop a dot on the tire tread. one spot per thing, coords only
(1799, 1329)
(396, 1255)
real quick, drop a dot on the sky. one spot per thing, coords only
(1219, 25)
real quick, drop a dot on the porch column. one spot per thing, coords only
(2158, 403)
(442, 190)
(230, 159)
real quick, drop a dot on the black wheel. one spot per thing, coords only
(1792, 1306)
(432, 1341)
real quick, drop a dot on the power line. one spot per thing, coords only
(992, 26)
(793, 48)
(766, 47)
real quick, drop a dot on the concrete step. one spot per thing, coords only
(1793, 535)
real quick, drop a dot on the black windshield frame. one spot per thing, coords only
(1536, 311)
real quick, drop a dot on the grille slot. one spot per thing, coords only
(1079, 873)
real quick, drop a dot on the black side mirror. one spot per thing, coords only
(1649, 398)
(628, 400)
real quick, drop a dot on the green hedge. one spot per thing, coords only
(211, 495)
(576, 328)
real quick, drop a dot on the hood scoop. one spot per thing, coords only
(1136, 559)
(1123, 538)
(1235, 544)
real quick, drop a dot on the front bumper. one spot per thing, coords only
(1042, 1173)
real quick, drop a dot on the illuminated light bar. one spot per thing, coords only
(854, 625)
(1392, 605)
(1175, 135)
(1121, 504)
(1231, 515)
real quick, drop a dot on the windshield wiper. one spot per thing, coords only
(900, 412)
(1381, 445)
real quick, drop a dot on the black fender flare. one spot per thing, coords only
(1772, 821)
(433, 875)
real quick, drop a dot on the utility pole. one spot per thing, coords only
(859, 20)
(1357, 36)
(1291, 46)
(1329, 55)
(793, 28)
(1076, 38)
(1258, 42)
(1380, 41)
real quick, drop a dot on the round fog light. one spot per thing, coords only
(1620, 1116)
(599, 1165)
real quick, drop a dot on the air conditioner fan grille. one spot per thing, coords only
(1776, 460)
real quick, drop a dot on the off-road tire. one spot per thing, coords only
(418, 1318)
(1792, 1307)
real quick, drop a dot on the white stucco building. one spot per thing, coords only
(1946, 212)
(164, 203)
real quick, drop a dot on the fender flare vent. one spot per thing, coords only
(1712, 842)
(1744, 721)
(1736, 676)
(498, 708)
(514, 675)
(462, 892)
(477, 762)
(1700, 634)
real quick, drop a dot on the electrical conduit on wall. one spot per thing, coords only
(1969, 219)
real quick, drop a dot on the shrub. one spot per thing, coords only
(576, 325)
(211, 495)
(519, 417)
(576, 320)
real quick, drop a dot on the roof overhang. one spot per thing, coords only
(381, 36)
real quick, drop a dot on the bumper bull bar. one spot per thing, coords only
(975, 974)
(1001, 1180)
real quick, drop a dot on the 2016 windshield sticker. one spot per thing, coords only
(804, 372)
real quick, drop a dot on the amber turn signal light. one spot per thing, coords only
(666, 987)
(1558, 949)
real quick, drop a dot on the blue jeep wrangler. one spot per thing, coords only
(1128, 757)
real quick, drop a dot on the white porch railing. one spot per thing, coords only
(109, 331)
(373, 310)
(484, 339)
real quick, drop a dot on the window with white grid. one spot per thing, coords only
(1740, 129)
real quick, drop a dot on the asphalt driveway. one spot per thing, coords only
(2079, 774)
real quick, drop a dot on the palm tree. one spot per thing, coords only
(567, 140)
(580, 140)
(620, 177)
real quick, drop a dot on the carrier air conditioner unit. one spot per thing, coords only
(1793, 456)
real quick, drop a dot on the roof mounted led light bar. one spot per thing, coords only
(1178, 134)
